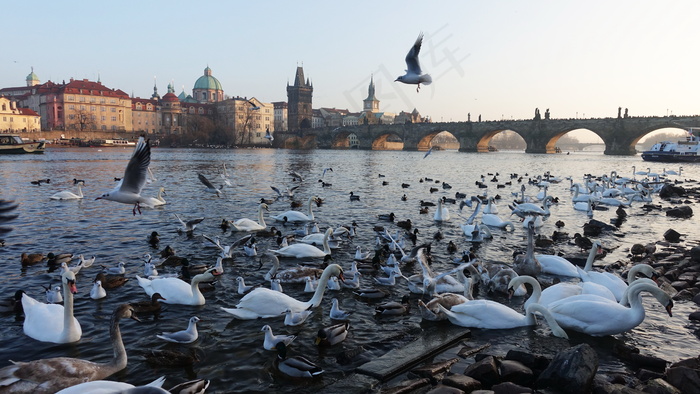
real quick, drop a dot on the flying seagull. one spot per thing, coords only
(428, 152)
(210, 187)
(128, 191)
(414, 75)
(269, 136)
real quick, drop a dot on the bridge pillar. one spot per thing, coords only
(537, 136)
(621, 138)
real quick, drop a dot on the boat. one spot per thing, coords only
(13, 143)
(105, 143)
(683, 151)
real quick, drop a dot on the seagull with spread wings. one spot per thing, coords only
(128, 191)
(414, 75)
(210, 187)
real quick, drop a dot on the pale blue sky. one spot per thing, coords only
(494, 58)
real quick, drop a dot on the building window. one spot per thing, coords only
(103, 100)
(93, 108)
(201, 110)
(93, 117)
(70, 116)
(103, 109)
(81, 99)
(70, 98)
(71, 106)
(149, 107)
(114, 109)
(103, 118)
(138, 106)
(82, 108)
(104, 127)
(93, 100)
(114, 118)
(114, 128)
(113, 101)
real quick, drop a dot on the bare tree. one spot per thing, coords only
(82, 120)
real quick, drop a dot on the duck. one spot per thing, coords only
(53, 374)
(271, 340)
(302, 250)
(55, 259)
(52, 322)
(337, 313)
(296, 274)
(31, 259)
(370, 293)
(249, 225)
(597, 316)
(112, 281)
(405, 224)
(354, 197)
(171, 358)
(185, 336)
(442, 214)
(331, 335)
(151, 306)
(68, 195)
(12, 304)
(177, 291)
(297, 366)
(97, 292)
(387, 216)
(265, 303)
(393, 308)
(296, 216)
(292, 318)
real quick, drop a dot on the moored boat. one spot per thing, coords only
(13, 143)
(683, 151)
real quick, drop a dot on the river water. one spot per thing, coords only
(230, 351)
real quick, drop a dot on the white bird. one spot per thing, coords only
(246, 224)
(156, 201)
(189, 226)
(128, 191)
(360, 256)
(110, 386)
(296, 274)
(250, 249)
(68, 195)
(276, 285)
(292, 318)
(296, 216)
(271, 340)
(120, 269)
(295, 175)
(263, 302)
(242, 287)
(177, 291)
(97, 291)
(353, 283)
(269, 136)
(149, 269)
(387, 281)
(210, 187)
(224, 175)
(337, 313)
(52, 322)
(429, 150)
(53, 295)
(185, 336)
(302, 250)
(86, 263)
(442, 214)
(414, 75)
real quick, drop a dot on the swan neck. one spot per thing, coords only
(261, 217)
(119, 361)
(321, 288)
(326, 246)
(196, 293)
(476, 212)
(309, 211)
(275, 267)
(591, 257)
(551, 321)
(80, 191)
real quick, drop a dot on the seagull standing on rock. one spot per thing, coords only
(414, 75)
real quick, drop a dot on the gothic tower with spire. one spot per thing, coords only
(371, 104)
(299, 110)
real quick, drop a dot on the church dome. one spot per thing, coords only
(170, 97)
(207, 81)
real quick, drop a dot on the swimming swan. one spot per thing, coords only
(52, 322)
(302, 250)
(296, 216)
(442, 214)
(177, 291)
(68, 195)
(289, 275)
(263, 302)
(246, 224)
(50, 375)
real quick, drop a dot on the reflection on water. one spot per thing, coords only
(231, 353)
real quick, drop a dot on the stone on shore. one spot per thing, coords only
(571, 371)
(683, 212)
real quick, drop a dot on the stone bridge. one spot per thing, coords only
(620, 135)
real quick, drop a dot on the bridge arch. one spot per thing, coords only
(551, 145)
(345, 139)
(388, 141)
(295, 142)
(427, 141)
(484, 142)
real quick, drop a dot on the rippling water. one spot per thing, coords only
(231, 351)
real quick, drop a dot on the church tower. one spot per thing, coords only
(299, 112)
(371, 104)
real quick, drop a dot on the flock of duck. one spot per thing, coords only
(585, 299)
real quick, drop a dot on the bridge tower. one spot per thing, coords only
(299, 111)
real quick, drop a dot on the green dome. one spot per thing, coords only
(32, 77)
(207, 81)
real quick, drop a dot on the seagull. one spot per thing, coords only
(414, 75)
(269, 136)
(210, 188)
(189, 226)
(185, 336)
(324, 171)
(296, 318)
(337, 313)
(428, 152)
(295, 175)
(272, 340)
(128, 191)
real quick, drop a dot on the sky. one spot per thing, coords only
(498, 59)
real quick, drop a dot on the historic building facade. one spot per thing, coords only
(14, 119)
(248, 119)
(280, 115)
(299, 98)
(208, 89)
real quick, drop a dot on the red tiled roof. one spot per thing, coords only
(27, 111)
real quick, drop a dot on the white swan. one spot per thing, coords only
(492, 315)
(289, 275)
(491, 208)
(156, 201)
(263, 302)
(493, 220)
(68, 195)
(599, 317)
(431, 312)
(246, 224)
(110, 386)
(296, 216)
(177, 291)
(557, 265)
(613, 282)
(442, 214)
(52, 322)
(53, 374)
(302, 250)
